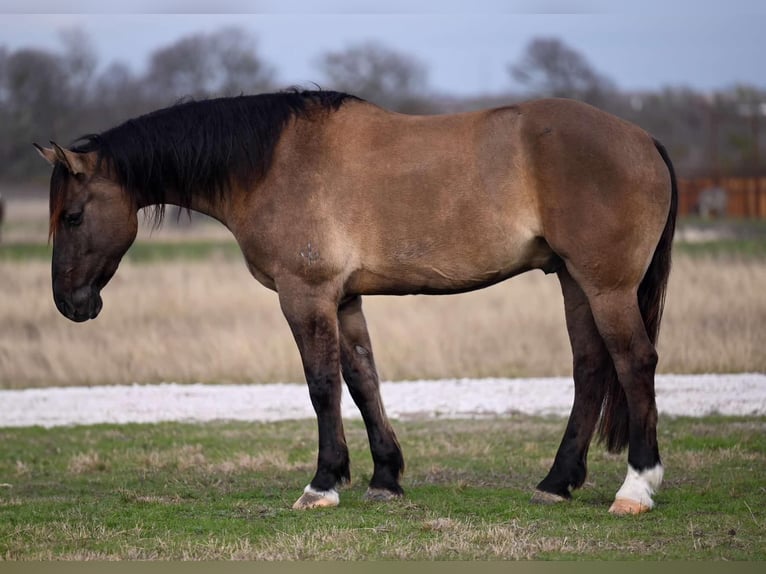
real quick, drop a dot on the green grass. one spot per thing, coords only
(224, 490)
(738, 238)
(25, 251)
(742, 238)
(732, 226)
(741, 248)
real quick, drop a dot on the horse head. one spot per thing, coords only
(93, 222)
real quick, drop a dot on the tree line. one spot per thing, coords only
(62, 94)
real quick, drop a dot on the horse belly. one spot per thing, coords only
(432, 266)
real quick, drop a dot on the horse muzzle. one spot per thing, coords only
(80, 305)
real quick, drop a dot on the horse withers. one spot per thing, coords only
(332, 198)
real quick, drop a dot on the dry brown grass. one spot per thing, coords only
(446, 539)
(715, 317)
(192, 457)
(86, 463)
(210, 321)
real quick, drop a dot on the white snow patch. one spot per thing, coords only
(689, 395)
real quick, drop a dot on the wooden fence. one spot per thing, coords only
(743, 197)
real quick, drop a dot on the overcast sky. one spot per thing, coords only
(466, 45)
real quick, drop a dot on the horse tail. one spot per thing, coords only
(613, 428)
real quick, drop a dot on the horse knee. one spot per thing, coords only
(590, 364)
(644, 358)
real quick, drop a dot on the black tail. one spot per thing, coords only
(613, 428)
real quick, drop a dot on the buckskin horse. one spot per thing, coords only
(332, 198)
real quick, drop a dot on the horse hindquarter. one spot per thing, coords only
(605, 196)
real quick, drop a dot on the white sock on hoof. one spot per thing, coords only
(640, 486)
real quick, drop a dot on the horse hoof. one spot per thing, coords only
(381, 495)
(625, 506)
(542, 497)
(317, 499)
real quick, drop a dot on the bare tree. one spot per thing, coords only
(80, 61)
(61, 94)
(3, 68)
(120, 95)
(35, 93)
(224, 62)
(5, 117)
(2, 216)
(378, 74)
(550, 68)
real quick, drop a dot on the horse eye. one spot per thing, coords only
(73, 219)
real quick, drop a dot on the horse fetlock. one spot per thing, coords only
(333, 470)
(562, 478)
(312, 498)
(386, 478)
(635, 494)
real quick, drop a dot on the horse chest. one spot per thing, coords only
(262, 277)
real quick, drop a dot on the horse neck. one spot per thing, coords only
(216, 208)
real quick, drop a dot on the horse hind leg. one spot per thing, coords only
(622, 327)
(361, 376)
(592, 367)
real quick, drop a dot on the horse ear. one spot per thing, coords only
(46, 153)
(74, 162)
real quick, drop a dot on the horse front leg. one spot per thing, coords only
(312, 316)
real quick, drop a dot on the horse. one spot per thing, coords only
(332, 198)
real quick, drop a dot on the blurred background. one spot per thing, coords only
(691, 73)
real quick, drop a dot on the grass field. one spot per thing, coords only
(224, 490)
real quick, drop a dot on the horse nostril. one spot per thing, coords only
(65, 307)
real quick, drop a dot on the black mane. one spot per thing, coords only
(202, 147)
